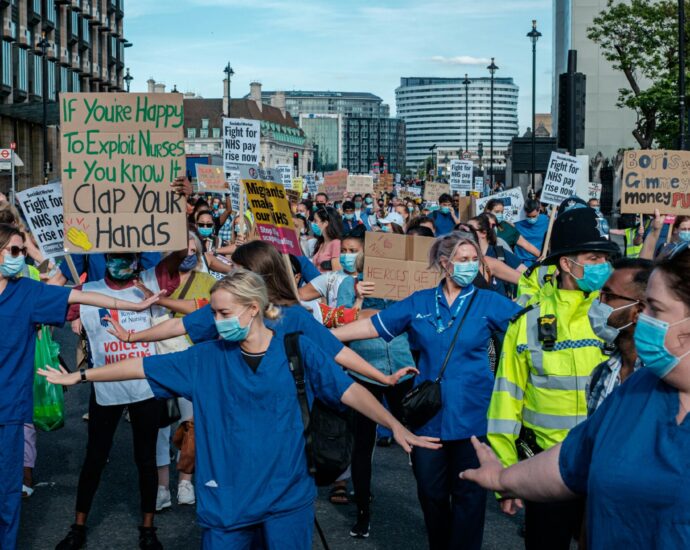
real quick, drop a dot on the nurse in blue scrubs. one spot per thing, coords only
(632, 457)
(453, 509)
(25, 303)
(251, 467)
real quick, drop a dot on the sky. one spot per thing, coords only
(337, 45)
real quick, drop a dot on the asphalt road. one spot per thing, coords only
(46, 516)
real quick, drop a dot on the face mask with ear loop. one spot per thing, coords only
(599, 314)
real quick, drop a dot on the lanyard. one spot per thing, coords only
(439, 324)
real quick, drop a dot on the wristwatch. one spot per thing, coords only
(82, 373)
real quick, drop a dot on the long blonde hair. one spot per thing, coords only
(248, 288)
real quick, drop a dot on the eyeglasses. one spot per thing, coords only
(606, 295)
(204, 225)
(16, 250)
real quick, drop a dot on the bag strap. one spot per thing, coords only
(294, 357)
(455, 337)
(187, 286)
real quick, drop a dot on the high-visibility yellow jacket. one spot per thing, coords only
(632, 250)
(544, 390)
(531, 282)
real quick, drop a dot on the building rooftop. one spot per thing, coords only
(345, 95)
(212, 109)
(428, 80)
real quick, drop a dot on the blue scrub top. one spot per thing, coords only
(534, 234)
(24, 304)
(308, 269)
(96, 264)
(467, 382)
(250, 458)
(511, 260)
(201, 327)
(632, 461)
(443, 222)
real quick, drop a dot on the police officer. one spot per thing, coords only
(548, 354)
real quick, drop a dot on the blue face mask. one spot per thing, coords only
(188, 263)
(385, 228)
(350, 217)
(12, 265)
(315, 229)
(369, 200)
(230, 329)
(499, 217)
(650, 338)
(205, 231)
(445, 210)
(410, 208)
(358, 204)
(464, 273)
(533, 220)
(684, 235)
(594, 277)
(348, 262)
(121, 269)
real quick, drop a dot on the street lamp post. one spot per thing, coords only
(229, 72)
(467, 83)
(128, 79)
(44, 45)
(492, 69)
(681, 74)
(534, 35)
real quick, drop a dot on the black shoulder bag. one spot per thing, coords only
(424, 401)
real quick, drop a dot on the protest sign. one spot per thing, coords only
(310, 184)
(211, 179)
(561, 177)
(360, 185)
(478, 184)
(241, 139)
(656, 179)
(461, 176)
(433, 190)
(384, 184)
(272, 216)
(42, 207)
(119, 153)
(284, 172)
(335, 184)
(298, 185)
(587, 190)
(293, 196)
(513, 203)
(398, 264)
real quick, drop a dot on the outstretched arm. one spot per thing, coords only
(163, 331)
(528, 246)
(354, 362)
(362, 329)
(128, 369)
(108, 302)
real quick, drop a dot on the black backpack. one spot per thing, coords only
(328, 434)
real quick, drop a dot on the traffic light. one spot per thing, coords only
(382, 162)
(480, 150)
(572, 100)
(295, 162)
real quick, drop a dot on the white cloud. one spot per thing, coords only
(460, 60)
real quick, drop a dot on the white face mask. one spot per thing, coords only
(599, 314)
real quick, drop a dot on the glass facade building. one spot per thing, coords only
(364, 139)
(325, 130)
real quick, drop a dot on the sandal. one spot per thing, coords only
(338, 496)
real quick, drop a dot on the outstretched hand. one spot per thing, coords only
(393, 379)
(61, 377)
(117, 331)
(488, 475)
(406, 439)
(141, 306)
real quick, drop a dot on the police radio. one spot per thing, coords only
(548, 331)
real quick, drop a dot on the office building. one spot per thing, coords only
(357, 104)
(326, 132)
(84, 53)
(434, 113)
(365, 139)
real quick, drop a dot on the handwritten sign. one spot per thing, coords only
(335, 184)
(119, 154)
(656, 179)
(384, 183)
(42, 207)
(360, 185)
(269, 205)
(513, 202)
(433, 190)
(588, 190)
(241, 139)
(310, 184)
(561, 178)
(284, 172)
(211, 179)
(461, 175)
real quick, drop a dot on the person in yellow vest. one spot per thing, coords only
(548, 354)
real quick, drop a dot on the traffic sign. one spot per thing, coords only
(466, 155)
(5, 154)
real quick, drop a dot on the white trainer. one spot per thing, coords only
(185, 493)
(163, 499)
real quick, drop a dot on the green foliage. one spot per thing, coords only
(640, 39)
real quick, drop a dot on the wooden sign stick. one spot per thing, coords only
(547, 239)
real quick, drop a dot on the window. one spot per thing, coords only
(22, 70)
(204, 133)
(37, 88)
(7, 63)
(64, 79)
(216, 133)
(204, 123)
(191, 133)
(51, 80)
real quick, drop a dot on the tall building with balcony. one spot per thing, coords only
(85, 52)
(434, 113)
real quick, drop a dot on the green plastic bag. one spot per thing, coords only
(49, 405)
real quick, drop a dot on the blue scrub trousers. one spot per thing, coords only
(291, 531)
(453, 508)
(11, 471)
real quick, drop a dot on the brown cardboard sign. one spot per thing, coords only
(334, 185)
(655, 179)
(465, 208)
(360, 184)
(384, 184)
(398, 264)
(433, 190)
(119, 154)
(211, 179)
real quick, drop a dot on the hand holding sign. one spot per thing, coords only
(79, 238)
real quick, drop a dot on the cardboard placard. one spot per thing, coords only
(211, 179)
(360, 184)
(119, 154)
(384, 184)
(461, 176)
(241, 142)
(464, 208)
(398, 264)
(298, 185)
(334, 185)
(589, 190)
(272, 215)
(310, 185)
(42, 207)
(656, 179)
(561, 178)
(433, 190)
(293, 195)
(284, 172)
(513, 202)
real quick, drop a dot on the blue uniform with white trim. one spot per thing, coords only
(467, 382)
(251, 465)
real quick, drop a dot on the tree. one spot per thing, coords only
(640, 39)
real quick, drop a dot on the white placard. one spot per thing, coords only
(284, 172)
(241, 139)
(513, 204)
(478, 184)
(561, 178)
(310, 184)
(42, 207)
(461, 175)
